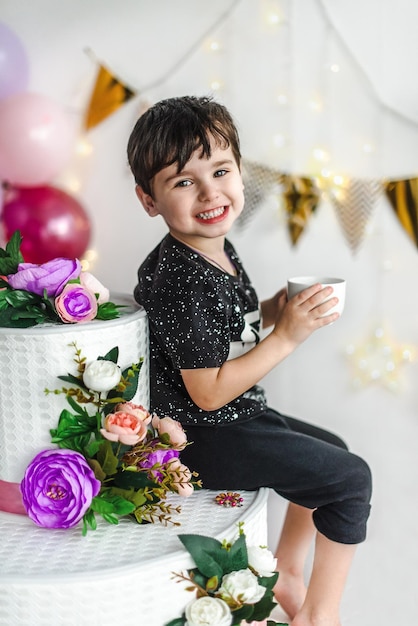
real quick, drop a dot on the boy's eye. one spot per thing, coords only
(220, 173)
(183, 183)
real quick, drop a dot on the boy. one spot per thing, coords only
(207, 356)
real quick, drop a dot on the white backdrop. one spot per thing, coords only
(279, 79)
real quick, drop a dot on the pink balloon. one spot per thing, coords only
(52, 223)
(36, 139)
(14, 66)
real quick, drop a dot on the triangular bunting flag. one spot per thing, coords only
(354, 204)
(301, 196)
(109, 94)
(259, 181)
(403, 196)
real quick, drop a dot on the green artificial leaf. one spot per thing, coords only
(107, 458)
(72, 432)
(207, 553)
(73, 380)
(270, 623)
(126, 479)
(19, 298)
(136, 497)
(179, 621)
(108, 311)
(109, 502)
(8, 319)
(92, 421)
(89, 520)
(112, 355)
(131, 374)
(237, 556)
(11, 256)
(268, 581)
(264, 607)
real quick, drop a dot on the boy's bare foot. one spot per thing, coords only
(290, 592)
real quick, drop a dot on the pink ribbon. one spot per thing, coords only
(11, 498)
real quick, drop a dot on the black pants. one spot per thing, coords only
(303, 463)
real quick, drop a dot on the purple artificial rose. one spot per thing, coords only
(76, 304)
(161, 457)
(58, 488)
(51, 276)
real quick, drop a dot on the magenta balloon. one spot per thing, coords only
(51, 222)
(14, 66)
(36, 139)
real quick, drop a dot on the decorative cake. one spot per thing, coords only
(119, 572)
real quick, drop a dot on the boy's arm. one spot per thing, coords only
(296, 320)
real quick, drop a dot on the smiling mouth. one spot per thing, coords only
(210, 215)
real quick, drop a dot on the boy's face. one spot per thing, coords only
(202, 201)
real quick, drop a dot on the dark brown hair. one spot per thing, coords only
(171, 130)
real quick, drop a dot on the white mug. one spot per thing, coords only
(299, 283)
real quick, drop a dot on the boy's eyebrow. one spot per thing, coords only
(185, 172)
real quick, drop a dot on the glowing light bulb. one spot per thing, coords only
(273, 18)
(334, 67)
(83, 147)
(216, 85)
(320, 154)
(214, 45)
(279, 140)
(282, 99)
(315, 105)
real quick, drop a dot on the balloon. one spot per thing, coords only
(36, 139)
(52, 223)
(14, 66)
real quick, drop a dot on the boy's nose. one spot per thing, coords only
(208, 191)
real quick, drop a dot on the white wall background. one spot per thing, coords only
(161, 48)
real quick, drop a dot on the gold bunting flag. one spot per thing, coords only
(109, 94)
(301, 197)
(354, 203)
(403, 196)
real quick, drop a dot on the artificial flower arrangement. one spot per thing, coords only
(233, 583)
(57, 291)
(119, 461)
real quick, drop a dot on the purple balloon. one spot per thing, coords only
(14, 65)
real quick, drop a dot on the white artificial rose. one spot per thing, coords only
(208, 611)
(101, 375)
(95, 286)
(261, 560)
(242, 587)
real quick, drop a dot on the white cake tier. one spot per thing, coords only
(32, 359)
(116, 574)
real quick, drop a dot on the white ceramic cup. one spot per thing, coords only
(299, 283)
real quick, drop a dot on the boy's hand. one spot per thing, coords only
(300, 316)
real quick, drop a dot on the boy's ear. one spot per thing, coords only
(147, 201)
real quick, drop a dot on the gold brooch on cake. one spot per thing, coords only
(229, 498)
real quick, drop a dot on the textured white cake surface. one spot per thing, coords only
(116, 574)
(32, 359)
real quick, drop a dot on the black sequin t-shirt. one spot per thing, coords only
(199, 316)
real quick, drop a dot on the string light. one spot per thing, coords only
(377, 360)
(216, 85)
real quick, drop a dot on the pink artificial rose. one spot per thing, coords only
(51, 276)
(91, 283)
(135, 409)
(124, 427)
(173, 429)
(181, 477)
(76, 304)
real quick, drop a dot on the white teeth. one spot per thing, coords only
(207, 215)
